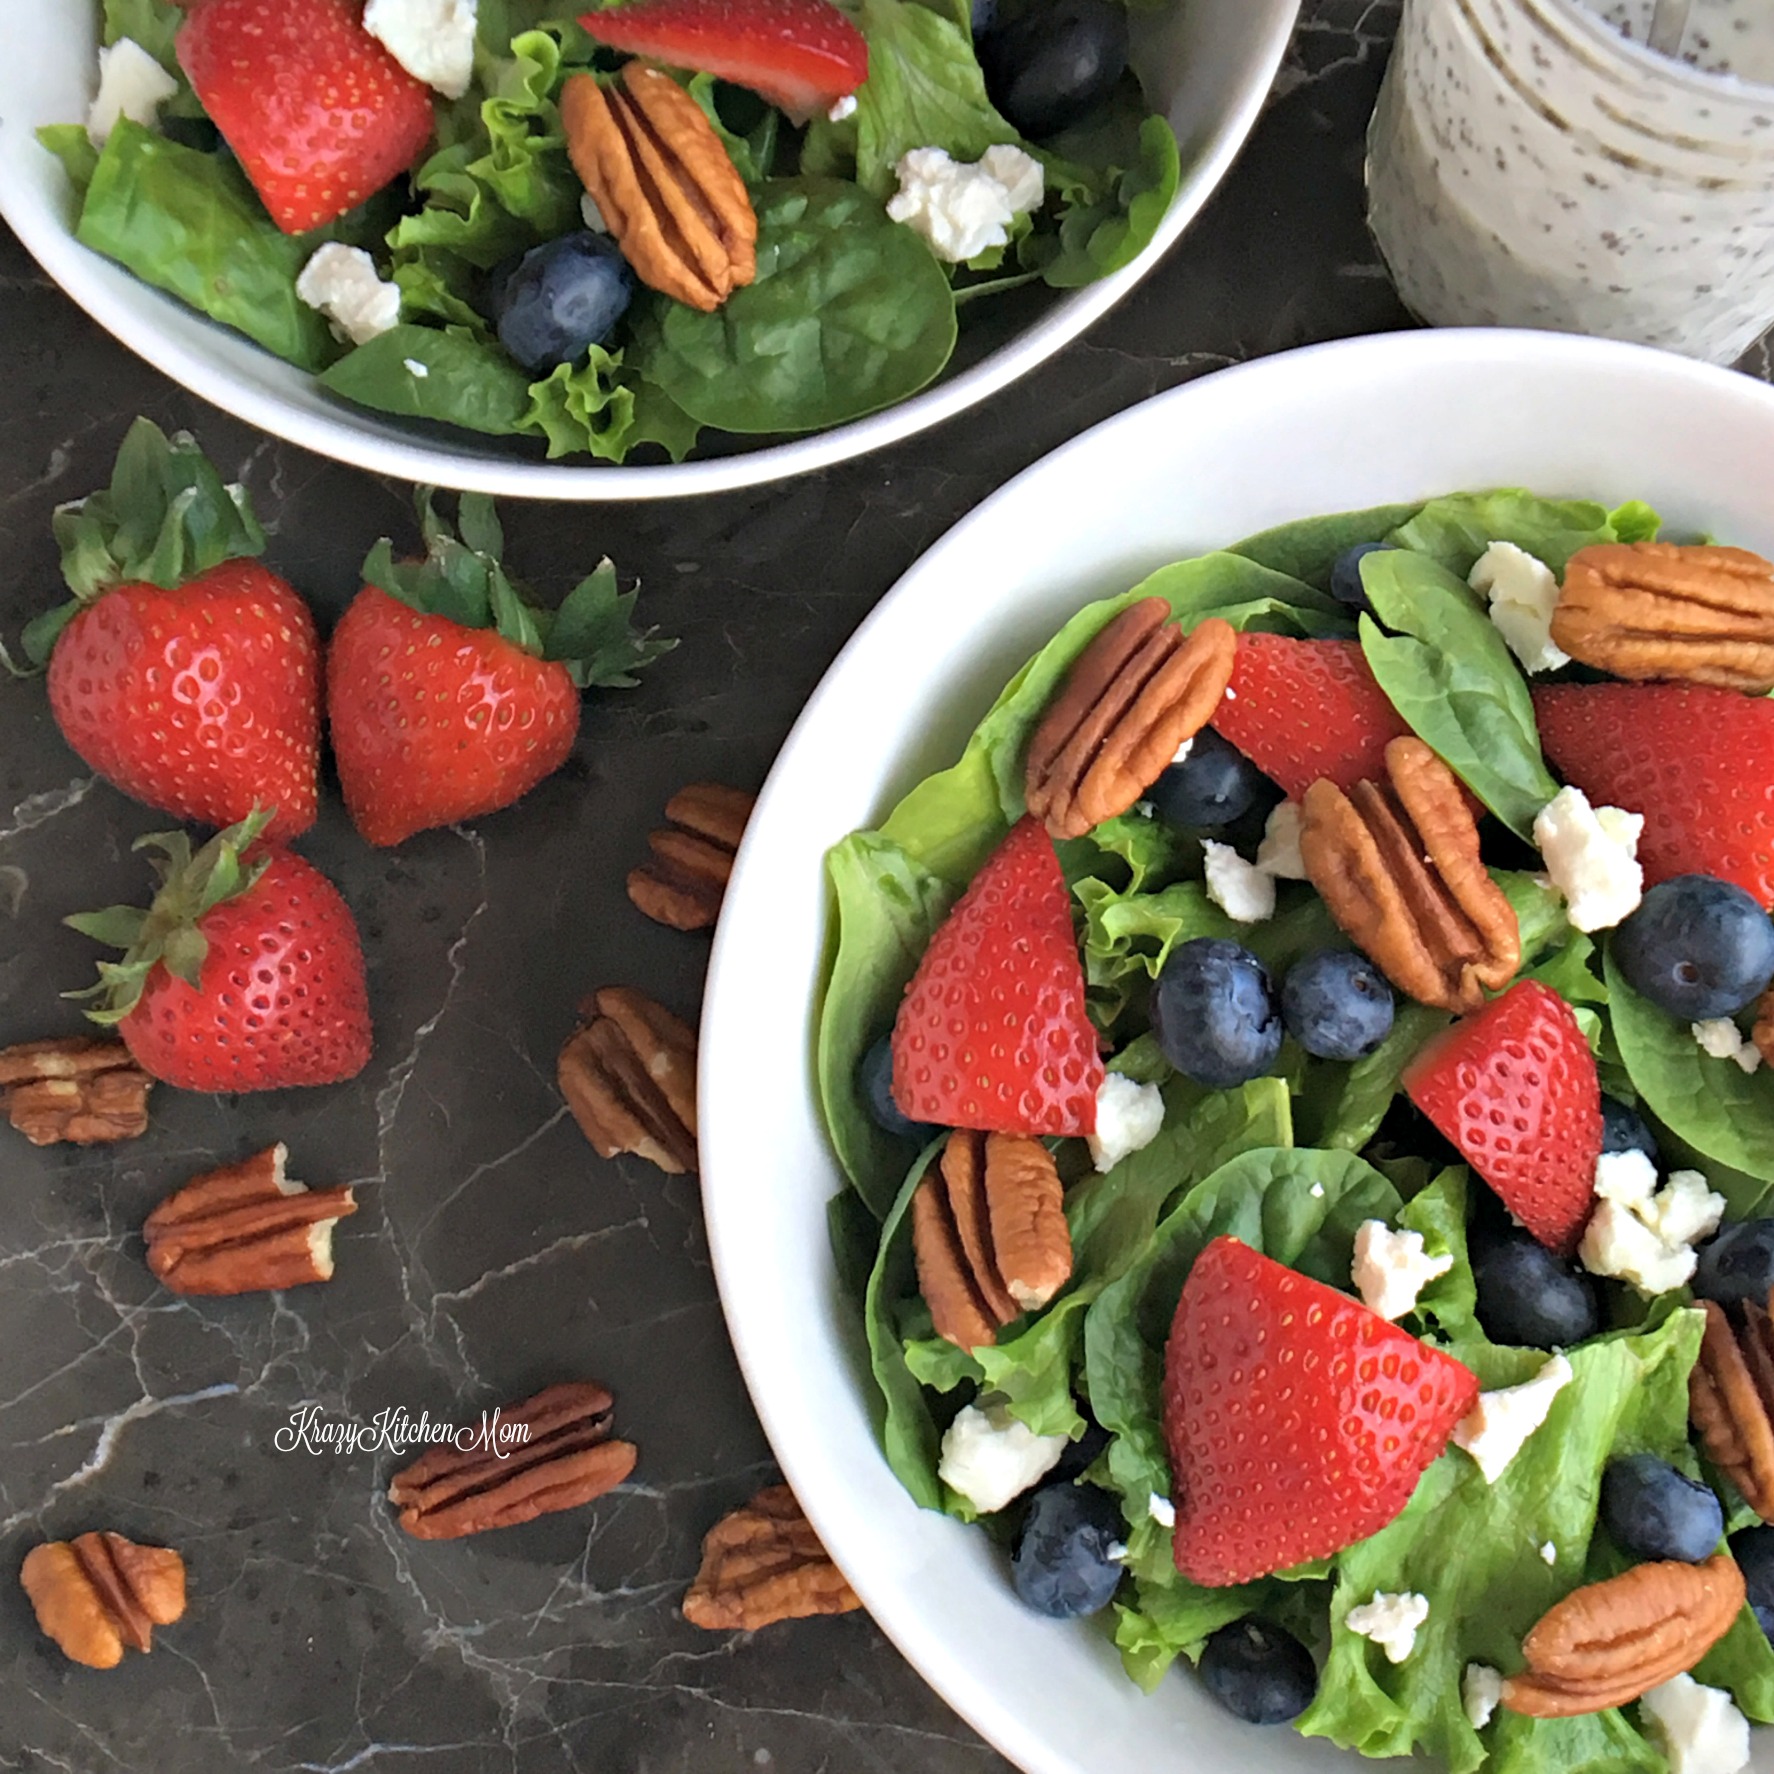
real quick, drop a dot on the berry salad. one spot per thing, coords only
(1302, 1078)
(612, 230)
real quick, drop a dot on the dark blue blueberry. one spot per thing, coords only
(1624, 1130)
(1346, 585)
(1214, 785)
(985, 15)
(1336, 1004)
(1214, 1013)
(1738, 1264)
(875, 1078)
(1054, 61)
(1061, 1565)
(1258, 1673)
(1653, 1511)
(560, 299)
(1697, 947)
(1078, 1455)
(1753, 1549)
(1527, 1297)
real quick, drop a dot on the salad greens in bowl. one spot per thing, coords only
(707, 242)
(1510, 1195)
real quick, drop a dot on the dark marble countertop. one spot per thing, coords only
(493, 1251)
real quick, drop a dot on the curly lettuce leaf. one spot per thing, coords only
(1108, 214)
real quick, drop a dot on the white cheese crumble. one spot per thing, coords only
(843, 109)
(1181, 754)
(1244, 892)
(1279, 853)
(1523, 594)
(1128, 1117)
(432, 39)
(1480, 1689)
(1493, 1431)
(131, 84)
(1318, 1191)
(1391, 1268)
(1161, 1510)
(341, 282)
(965, 208)
(591, 215)
(1591, 858)
(414, 367)
(1699, 1729)
(1642, 1234)
(989, 1457)
(1549, 1552)
(1720, 1038)
(1390, 1621)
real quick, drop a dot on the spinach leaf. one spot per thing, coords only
(1309, 548)
(465, 382)
(1342, 1106)
(1456, 530)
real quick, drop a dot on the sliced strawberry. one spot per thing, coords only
(1305, 710)
(802, 55)
(992, 1032)
(1697, 762)
(1514, 1087)
(1298, 1421)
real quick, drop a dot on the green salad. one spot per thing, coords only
(1303, 1153)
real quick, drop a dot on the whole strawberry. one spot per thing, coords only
(449, 696)
(245, 973)
(183, 671)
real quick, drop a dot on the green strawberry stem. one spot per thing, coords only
(191, 886)
(463, 579)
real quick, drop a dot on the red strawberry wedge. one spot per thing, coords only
(1697, 762)
(802, 55)
(992, 1032)
(1306, 710)
(1298, 1421)
(1514, 1087)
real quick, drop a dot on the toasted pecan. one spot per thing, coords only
(684, 879)
(99, 1593)
(629, 1076)
(764, 1563)
(79, 1090)
(1731, 1399)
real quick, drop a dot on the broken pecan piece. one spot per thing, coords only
(629, 1076)
(1608, 1643)
(684, 880)
(1397, 863)
(1731, 1399)
(84, 1091)
(664, 183)
(989, 1234)
(548, 1453)
(764, 1563)
(1762, 1032)
(246, 1228)
(1660, 610)
(98, 1593)
(1130, 700)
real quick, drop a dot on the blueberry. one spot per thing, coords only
(1653, 1511)
(985, 16)
(1258, 1673)
(1753, 1549)
(874, 1077)
(1214, 785)
(1061, 1565)
(560, 299)
(1054, 61)
(1336, 1004)
(1697, 947)
(1214, 1013)
(1527, 1297)
(1079, 1455)
(1624, 1130)
(1737, 1265)
(1346, 585)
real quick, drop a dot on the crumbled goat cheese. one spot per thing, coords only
(131, 84)
(965, 208)
(1128, 1117)
(1318, 1191)
(414, 367)
(1279, 852)
(1391, 1621)
(1480, 1690)
(1493, 1431)
(1161, 1510)
(591, 215)
(1244, 892)
(1549, 1552)
(843, 109)
(989, 1457)
(432, 39)
(1699, 1729)
(1591, 858)
(1642, 1234)
(1720, 1038)
(1391, 1268)
(1181, 754)
(1522, 593)
(341, 282)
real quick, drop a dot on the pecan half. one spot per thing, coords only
(548, 1453)
(1762, 1032)
(98, 1593)
(86, 1092)
(1608, 1643)
(1133, 696)
(764, 1563)
(989, 1234)
(1660, 610)
(1731, 1399)
(684, 880)
(1397, 863)
(664, 183)
(629, 1076)
(244, 1229)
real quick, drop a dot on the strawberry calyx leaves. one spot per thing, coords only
(191, 886)
(463, 580)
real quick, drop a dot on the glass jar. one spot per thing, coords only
(1530, 164)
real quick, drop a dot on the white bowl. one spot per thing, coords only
(1207, 63)
(1336, 427)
